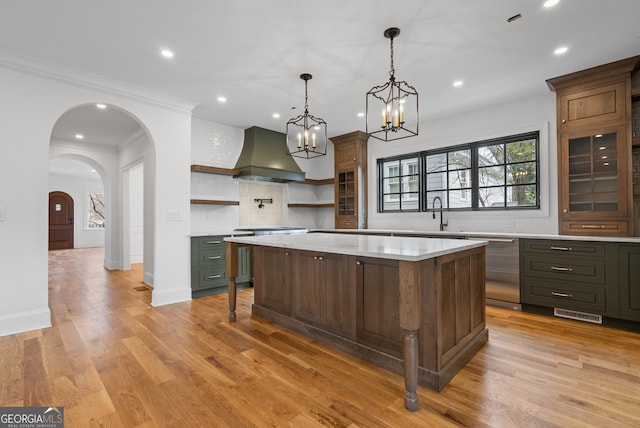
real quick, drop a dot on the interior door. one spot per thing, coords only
(60, 221)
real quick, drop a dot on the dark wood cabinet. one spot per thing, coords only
(275, 267)
(594, 125)
(350, 169)
(325, 298)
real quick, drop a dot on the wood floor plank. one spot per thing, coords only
(114, 360)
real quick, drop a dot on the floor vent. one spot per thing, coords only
(575, 315)
(141, 288)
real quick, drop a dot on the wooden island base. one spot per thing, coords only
(422, 318)
(435, 380)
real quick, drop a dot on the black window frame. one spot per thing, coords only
(475, 188)
(380, 178)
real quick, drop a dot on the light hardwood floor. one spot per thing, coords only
(113, 360)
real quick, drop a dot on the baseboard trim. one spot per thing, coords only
(161, 298)
(24, 321)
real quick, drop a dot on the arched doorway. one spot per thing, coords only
(110, 140)
(61, 220)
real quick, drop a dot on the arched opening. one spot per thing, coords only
(110, 145)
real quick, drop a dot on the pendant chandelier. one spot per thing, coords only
(306, 134)
(392, 108)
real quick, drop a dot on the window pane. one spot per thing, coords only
(96, 211)
(437, 181)
(432, 195)
(491, 155)
(460, 159)
(390, 169)
(459, 199)
(521, 151)
(491, 176)
(436, 163)
(521, 173)
(521, 196)
(491, 197)
(459, 179)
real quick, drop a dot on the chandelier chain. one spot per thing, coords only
(392, 71)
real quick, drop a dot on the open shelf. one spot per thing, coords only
(213, 202)
(311, 205)
(318, 182)
(213, 170)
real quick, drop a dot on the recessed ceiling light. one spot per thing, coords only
(561, 50)
(101, 106)
(222, 99)
(93, 170)
(550, 3)
(360, 114)
(458, 83)
(276, 115)
(166, 53)
(79, 136)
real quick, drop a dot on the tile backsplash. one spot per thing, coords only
(271, 214)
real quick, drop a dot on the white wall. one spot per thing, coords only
(136, 214)
(79, 189)
(530, 114)
(31, 103)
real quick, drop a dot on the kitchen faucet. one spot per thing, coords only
(433, 207)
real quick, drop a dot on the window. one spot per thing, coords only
(493, 174)
(400, 184)
(95, 218)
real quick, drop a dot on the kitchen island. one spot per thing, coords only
(411, 305)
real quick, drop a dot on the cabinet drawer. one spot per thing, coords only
(605, 228)
(210, 279)
(211, 243)
(558, 248)
(211, 257)
(564, 296)
(565, 268)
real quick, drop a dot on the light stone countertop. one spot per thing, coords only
(480, 235)
(385, 247)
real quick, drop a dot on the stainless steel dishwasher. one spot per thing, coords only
(502, 271)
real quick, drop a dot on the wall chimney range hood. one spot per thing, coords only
(265, 157)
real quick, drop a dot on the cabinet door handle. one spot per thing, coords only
(561, 248)
(214, 257)
(214, 242)
(286, 254)
(556, 294)
(318, 258)
(358, 262)
(561, 269)
(215, 276)
(592, 226)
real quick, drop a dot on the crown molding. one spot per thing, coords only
(81, 79)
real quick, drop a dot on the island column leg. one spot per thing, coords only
(410, 321)
(232, 273)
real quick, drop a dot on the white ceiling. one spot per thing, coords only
(253, 51)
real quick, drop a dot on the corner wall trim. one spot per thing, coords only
(24, 321)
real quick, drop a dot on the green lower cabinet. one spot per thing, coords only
(629, 281)
(209, 266)
(601, 278)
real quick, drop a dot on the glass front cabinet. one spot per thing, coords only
(594, 124)
(594, 189)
